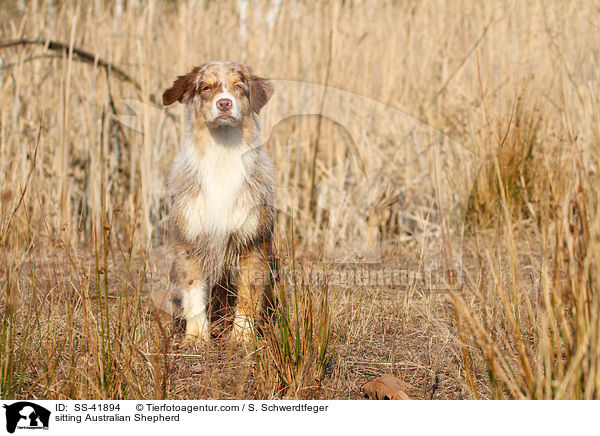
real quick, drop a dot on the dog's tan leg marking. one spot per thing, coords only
(251, 294)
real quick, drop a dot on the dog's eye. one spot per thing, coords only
(206, 88)
(238, 87)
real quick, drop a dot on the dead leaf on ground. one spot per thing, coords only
(386, 387)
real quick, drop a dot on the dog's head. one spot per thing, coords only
(222, 93)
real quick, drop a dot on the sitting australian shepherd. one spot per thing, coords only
(221, 191)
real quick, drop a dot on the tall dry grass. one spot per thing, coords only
(84, 198)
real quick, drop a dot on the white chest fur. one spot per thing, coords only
(220, 208)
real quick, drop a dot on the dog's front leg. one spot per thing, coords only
(253, 293)
(195, 302)
(193, 291)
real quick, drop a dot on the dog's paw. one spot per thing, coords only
(197, 327)
(243, 329)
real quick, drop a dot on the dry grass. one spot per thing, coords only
(83, 199)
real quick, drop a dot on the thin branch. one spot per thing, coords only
(28, 59)
(82, 55)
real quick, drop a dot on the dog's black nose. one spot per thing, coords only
(224, 104)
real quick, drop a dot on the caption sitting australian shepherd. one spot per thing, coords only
(221, 191)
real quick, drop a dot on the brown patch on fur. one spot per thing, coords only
(182, 89)
(261, 91)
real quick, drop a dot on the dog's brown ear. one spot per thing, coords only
(181, 89)
(261, 91)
